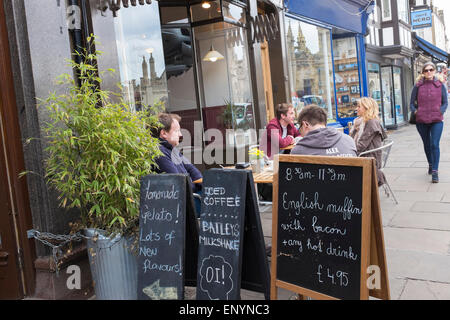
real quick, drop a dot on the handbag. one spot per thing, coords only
(412, 115)
(412, 118)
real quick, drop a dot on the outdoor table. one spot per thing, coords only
(265, 176)
(289, 147)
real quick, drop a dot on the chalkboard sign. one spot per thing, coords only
(166, 223)
(229, 227)
(322, 225)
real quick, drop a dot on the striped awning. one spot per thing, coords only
(431, 50)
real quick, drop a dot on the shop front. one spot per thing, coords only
(325, 52)
(390, 81)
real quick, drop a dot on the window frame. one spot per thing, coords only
(407, 10)
(383, 18)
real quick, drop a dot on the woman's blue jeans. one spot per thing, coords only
(431, 135)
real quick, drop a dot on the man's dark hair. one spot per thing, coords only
(165, 119)
(313, 114)
(282, 108)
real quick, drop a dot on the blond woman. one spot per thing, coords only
(368, 132)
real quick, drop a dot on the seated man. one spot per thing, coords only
(172, 161)
(320, 140)
(281, 128)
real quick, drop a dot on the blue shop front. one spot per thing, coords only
(325, 51)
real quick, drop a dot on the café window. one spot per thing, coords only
(151, 49)
(346, 70)
(140, 56)
(309, 66)
(224, 80)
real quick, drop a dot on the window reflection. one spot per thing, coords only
(346, 75)
(309, 66)
(182, 99)
(141, 56)
(201, 13)
(233, 12)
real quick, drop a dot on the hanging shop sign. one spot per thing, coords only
(264, 27)
(421, 19)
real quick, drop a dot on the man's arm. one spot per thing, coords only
(166, 165)
(412, 105)
(282, 142)
(444, 99)
(194, 173)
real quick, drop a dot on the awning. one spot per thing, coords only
(431, 50)
(350, 15)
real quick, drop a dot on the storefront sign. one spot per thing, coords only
(421, 19)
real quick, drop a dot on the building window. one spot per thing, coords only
(388, 36)
(405, 37)
(309, 66)
(225, 86)
(374, 82)
(140, 56)
(398, 99)
(346, 75)
(388, 99)
(403, 10)
(386, 13)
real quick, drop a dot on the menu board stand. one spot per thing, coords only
(326, 228)
(168, 237)
(231, 252)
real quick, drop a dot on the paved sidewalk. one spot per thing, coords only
(417, 229)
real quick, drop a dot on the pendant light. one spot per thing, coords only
(206, 5)
(213, 55)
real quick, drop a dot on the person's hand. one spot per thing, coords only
(292, 139)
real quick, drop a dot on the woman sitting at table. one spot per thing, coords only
(368, 132)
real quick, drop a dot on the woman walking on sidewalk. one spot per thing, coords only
(429, 102)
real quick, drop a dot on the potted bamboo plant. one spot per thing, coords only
(98, 150)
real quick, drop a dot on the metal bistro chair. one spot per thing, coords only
(385, 149)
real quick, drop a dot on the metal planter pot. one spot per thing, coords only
(113, 266)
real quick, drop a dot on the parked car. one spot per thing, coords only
(312, 99)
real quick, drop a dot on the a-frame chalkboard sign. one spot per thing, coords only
(326, 228)
(231, 242)
(168, 237)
